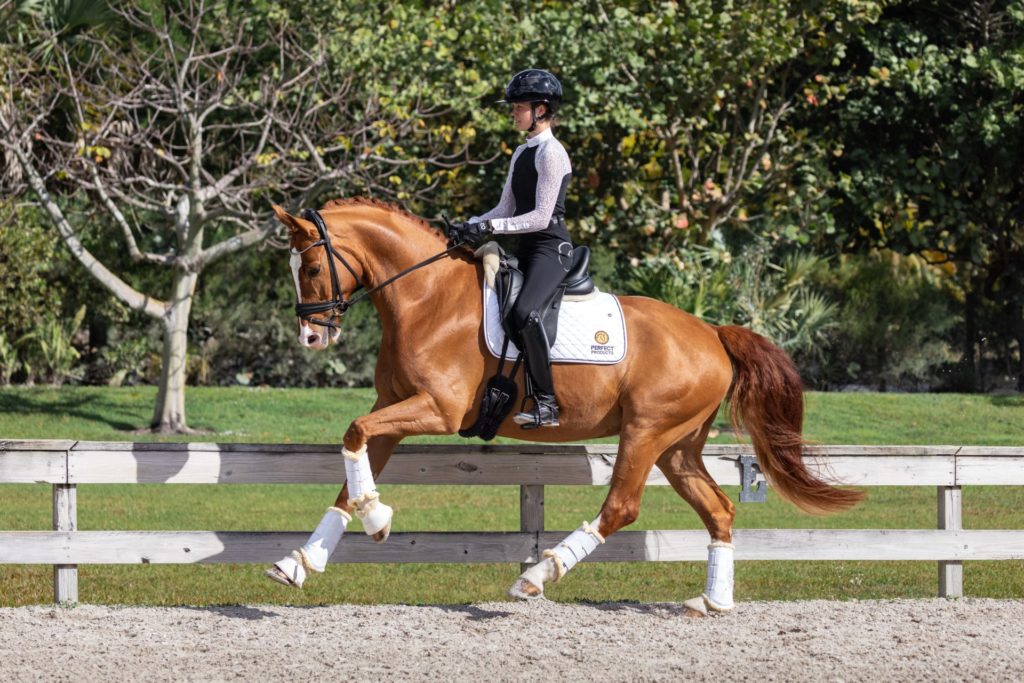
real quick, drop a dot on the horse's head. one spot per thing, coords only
(321, 287)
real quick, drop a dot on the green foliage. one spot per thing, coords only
(893, 324)
(698, 132)
(29, 262)
(679, 116)
(48, 351)
(781, 302)
(9, 363)
(132, 357)
(938, 91)
(778, 300)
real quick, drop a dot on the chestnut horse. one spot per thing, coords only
(433, 366)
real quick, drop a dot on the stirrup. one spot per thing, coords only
(542, 415)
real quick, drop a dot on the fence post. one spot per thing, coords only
(531, 516)
(65, 518)
(951, 574)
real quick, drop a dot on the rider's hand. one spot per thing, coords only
(471, 233)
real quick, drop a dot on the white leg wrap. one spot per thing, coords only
(564, 556)
(325, 539)
(313, 556)
(718, 591)
(362, 492)
(374, 514)
(357, 473)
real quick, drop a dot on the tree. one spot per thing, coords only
(180, 124)
(938, 89)
(683, 114)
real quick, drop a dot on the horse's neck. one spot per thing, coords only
(392, 247)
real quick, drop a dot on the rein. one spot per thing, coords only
(338, 303)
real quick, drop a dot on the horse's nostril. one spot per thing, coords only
(313, 338)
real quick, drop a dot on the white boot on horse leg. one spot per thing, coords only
(312, 557)
(717, 596)
(557, 561)
(363, 496)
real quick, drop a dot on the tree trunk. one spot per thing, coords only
(970, 367)
(1019, 329)
(169, 415)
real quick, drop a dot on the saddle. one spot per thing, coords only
(508, 282)
(500, 395)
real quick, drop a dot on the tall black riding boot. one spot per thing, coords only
(538, 365)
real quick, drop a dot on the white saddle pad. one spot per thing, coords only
(589, 331)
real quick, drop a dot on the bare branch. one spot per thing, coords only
(129, 296)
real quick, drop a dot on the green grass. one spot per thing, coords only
(321, 416)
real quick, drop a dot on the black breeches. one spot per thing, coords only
(544, 267)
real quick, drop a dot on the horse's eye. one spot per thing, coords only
(313, 271)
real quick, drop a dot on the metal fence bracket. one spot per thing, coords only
(749, 494)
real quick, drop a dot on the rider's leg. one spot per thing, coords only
(538, 364)
(544, 269)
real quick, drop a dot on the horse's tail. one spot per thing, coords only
(767, 395)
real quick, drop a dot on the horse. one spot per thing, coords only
(433, 366)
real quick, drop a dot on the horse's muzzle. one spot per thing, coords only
(315, 336)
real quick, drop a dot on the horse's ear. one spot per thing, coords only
(294, 224)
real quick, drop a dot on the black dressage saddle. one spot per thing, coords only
(509, 281)
(500, 394)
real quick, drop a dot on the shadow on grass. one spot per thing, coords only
(89, 408)
(1007, 400)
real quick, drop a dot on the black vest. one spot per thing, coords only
(524, 190)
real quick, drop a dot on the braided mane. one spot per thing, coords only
(385, 206)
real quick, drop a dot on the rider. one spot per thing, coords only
(532, 207)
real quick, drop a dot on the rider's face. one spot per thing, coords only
(521, 118)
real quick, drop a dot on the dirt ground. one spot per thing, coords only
(978, 640)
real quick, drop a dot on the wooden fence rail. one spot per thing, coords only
(66, 464)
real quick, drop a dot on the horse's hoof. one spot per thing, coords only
(382, 535)
(695, 607)
(377, 521)
(717, 607)
(524, 589)
(275, 574)
(702, 606)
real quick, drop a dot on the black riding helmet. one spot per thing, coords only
(534, 86)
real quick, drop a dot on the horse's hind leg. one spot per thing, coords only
(639, 448)
(683, 466)
(293, 569)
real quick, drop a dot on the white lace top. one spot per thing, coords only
(552, 170)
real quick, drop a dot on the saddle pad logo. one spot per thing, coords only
(601, 337)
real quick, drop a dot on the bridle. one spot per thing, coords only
(338, 304)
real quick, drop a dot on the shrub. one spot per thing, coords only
(895, 318)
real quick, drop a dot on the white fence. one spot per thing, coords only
(67, 464)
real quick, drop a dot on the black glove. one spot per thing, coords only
(470, 233)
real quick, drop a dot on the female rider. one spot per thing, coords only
(532, 207)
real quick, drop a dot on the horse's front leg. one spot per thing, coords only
(293, 569)
(421, 414)
(368, 444)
